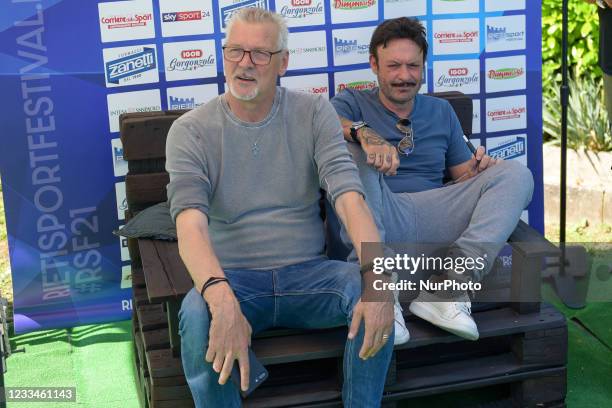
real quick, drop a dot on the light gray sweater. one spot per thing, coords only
(258, 183)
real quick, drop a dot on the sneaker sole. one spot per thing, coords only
(423, 311)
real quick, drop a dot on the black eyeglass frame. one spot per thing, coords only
(269, 54)
(406, 145)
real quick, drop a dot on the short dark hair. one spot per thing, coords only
(401, 27)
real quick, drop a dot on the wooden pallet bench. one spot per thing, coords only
(523, 346)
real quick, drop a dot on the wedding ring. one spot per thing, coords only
(385, 336)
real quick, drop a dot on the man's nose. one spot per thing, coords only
(246, 60)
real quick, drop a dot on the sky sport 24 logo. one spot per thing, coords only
(185, 16)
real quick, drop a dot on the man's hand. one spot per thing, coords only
(229, 335)
(378, 320)
(477, 164)
(380, 153)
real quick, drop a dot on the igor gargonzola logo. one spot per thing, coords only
(130, 65)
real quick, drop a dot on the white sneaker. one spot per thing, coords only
(402, 335)
(453, 316)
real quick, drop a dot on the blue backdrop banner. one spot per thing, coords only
(69, 68)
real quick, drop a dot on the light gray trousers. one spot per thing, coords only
(475, 216)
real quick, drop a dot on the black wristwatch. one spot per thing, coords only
(355, 126)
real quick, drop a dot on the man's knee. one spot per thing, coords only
(193, 316)
(518, 177)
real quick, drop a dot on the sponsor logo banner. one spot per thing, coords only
(228, 7)
(130, 65)
(457, 75)
(505, 74)
(458, 36)
(503, 5)
(475, 116)
(126, 20)
(186, 17)
(307, 50)
(299, 13)
(120, 166)
(123, 246)
(353, 11)
(508, 148)
(316, 84)
(360, 79)
(126, 277)
(351, 46)
(505, 33)
(138, 101)
(404, 8)
(506, 113)
(190, 97)
(190, 60)
(121, 200)
(455, 6)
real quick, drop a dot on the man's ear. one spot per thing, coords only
(373, 64)
(284, 63)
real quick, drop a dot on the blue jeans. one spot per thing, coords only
(313, 295)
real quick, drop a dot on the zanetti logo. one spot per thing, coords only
(357, 85)
(184, 16)
(182, 103)
(505, 73)
(353, 4)
(510, 150)
(228, 11)
(130, 65)
(495, 34)
(344, 47)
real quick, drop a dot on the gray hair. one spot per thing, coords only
(258, 15)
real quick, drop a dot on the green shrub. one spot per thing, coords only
(587, 120)
(583, 40)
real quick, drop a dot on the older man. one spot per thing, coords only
(245, 173)
(404, 144)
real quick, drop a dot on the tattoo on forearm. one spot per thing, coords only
(369, 137)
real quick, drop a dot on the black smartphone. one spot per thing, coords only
(258, 374)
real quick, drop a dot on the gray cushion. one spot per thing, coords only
(154, 222)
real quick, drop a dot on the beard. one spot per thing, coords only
(248, 97)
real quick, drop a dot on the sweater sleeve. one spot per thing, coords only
(189, 185)
(337, 171)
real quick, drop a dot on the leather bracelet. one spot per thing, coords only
(213, 280)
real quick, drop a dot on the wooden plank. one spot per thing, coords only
(140, 297)
(173, 306)
(144, 136)
(134, 253)
(540, 391)
(144, 190)
(158, 284)
(330, 343)
(161, 363)
(168, 381)
(151, 317)
(173, 404)
(138, 280)
(176, 392)
(156, 339)
(174, 267)
(545, 346)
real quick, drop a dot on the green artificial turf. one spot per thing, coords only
(96, 359)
